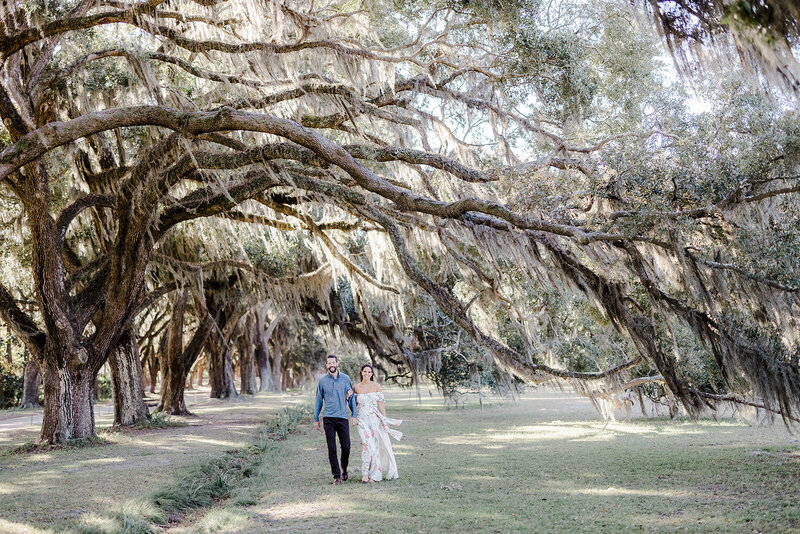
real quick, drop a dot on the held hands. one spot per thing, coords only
(353, 421)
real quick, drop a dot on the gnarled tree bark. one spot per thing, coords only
(179, 361)
(128, 386)
(68, 404)
(263, 334)
(31, 383)
(247, 357)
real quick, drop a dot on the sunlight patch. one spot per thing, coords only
(209, 441)
(103, 461)
(615, 491)
(298, 510)
(8, 526)
(222, 520)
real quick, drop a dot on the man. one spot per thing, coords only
(336, 391)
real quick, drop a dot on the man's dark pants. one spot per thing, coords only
(340, 426)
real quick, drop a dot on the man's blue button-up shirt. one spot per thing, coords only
(333, 391)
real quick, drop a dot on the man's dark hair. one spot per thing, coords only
(332, 356)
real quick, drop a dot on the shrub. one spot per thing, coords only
(10, 389)
(286, 421)
(104, 387)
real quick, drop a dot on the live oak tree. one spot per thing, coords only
(763, 34)
(483, 155)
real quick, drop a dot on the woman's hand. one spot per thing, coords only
(349, 393)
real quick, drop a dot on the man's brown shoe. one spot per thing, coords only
(344, 476)
(337, 481)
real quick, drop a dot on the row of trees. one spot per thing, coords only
(174, 351)
(516, 166)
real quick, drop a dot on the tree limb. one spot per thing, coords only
(69, 213)
(738, 399)
(21, 324)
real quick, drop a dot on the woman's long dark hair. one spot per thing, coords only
(372, 378)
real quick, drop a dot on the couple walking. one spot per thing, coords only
(365, 402)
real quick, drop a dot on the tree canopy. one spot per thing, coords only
(521, 175)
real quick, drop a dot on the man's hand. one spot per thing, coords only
(353, 421)
(316, 425)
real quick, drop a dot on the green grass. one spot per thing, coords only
(134, 517)
(158, 420)
(544, 464)
(208, 481)
(533, 467)
(284, 423)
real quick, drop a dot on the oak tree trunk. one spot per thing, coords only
(68, 405)
(126, 377)
(172, 398)
(262, 357)
(197, 371)
(277, 363)
(221, 371)
(152, 367)
(247, 359)
(162, 357)
(173, 369)
(31, 383)
(266, 382)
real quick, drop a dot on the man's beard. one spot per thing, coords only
(332, 370)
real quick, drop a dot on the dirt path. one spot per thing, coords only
(33, 417)
(22, 426)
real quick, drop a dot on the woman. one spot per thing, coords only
(377, 458)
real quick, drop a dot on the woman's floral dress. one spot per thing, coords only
(377, 457)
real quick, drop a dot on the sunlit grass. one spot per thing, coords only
(514, 469)
(21, 528)
(132, 517)
(220, 520)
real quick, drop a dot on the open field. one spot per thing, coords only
(546, 464)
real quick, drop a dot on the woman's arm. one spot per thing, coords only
(381, 404)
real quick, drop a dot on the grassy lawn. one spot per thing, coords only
(544, 464)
